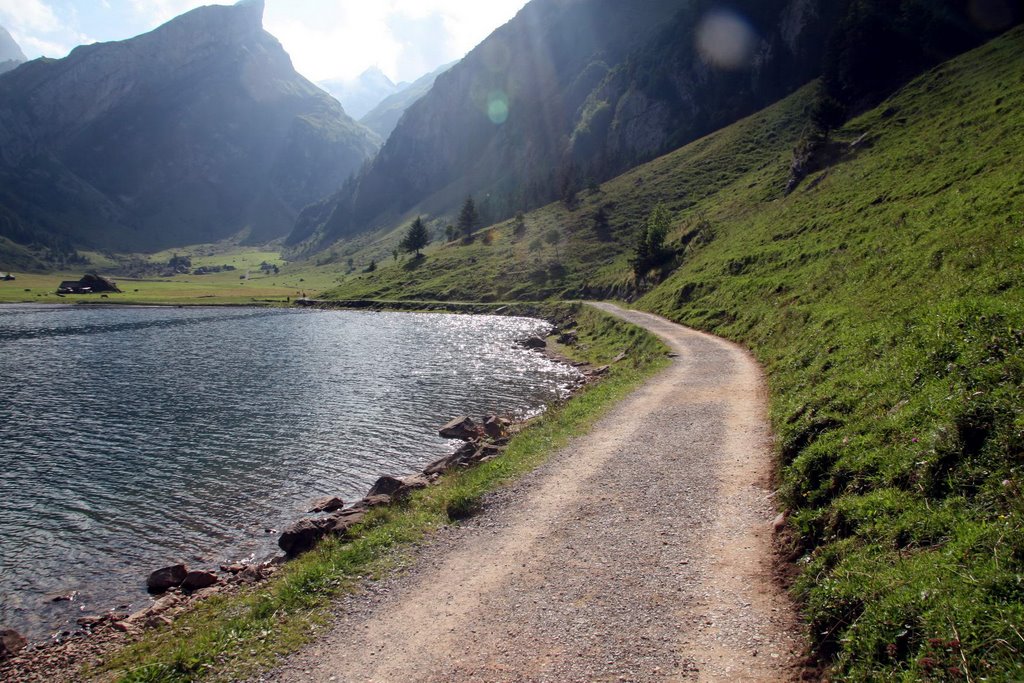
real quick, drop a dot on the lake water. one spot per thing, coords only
(132, 438)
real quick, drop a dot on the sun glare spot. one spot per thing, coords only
(497, 107)
(725, 39)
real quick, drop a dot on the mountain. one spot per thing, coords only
(383, 118)
(360, 95)
(10, 52)
(571, 90)
(197, 131)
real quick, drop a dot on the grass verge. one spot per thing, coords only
(229, 637)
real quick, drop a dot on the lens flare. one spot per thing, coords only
(725, 40)
(497, 107)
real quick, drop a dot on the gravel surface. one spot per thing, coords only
(640, 552)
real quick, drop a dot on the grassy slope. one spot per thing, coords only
(228, 638)
(592, 263)
(887, 303)
(885, 299)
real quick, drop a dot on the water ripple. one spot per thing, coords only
(130, 438)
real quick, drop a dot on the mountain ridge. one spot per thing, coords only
(196, 131)
(11, 54)
(360, 95)
(383, 118)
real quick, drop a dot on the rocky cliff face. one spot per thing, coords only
(10, 52)
(708, 67)
(383, 118)
(577, 90)
(495, 124)
(196, 131)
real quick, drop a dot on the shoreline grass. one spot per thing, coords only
(227, 637)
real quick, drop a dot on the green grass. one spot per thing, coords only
(227, 287)
(228, 638)
(590, 263)
(885, 297)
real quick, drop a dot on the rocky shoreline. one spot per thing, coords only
(177, 589)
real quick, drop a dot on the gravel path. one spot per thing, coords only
(640, 552)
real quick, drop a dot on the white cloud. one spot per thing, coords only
(325, 38)
(31, 45)
(29, 16)
(348, 38)
(342, 38)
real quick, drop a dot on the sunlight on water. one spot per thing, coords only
(131, 438)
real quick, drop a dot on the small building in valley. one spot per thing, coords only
(89, 284)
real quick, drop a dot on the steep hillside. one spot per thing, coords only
(571, 89)
(886, 299)
(196, 131)
(360, 95)
(383, 118)
(884, 296)
(10, 52)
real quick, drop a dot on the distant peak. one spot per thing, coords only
(256, 6)
(375, 75)
(9, 49)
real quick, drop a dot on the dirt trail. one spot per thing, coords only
(640, 552)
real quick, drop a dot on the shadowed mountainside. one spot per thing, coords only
(194, 132)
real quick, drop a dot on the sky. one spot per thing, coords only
(325, 38)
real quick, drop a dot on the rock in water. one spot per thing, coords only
(460, 428)
(11, 642)
(168, 577)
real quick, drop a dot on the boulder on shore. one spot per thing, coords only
(384, 486)
(326, 504)
(372, 502)
(196, 580)
(495, 427)
(164, 579)
(11, 642)
(397, 488)
(306, 533)
(443, 464)
(461, 428)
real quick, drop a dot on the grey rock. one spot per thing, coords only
(460, 428)
(166, 578)
(385, 486)
(327, 504)
(372, 502)
(534, 343)
(195, 580)
(306, 533)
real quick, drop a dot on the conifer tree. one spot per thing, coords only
(469, 220)
(416, 238)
